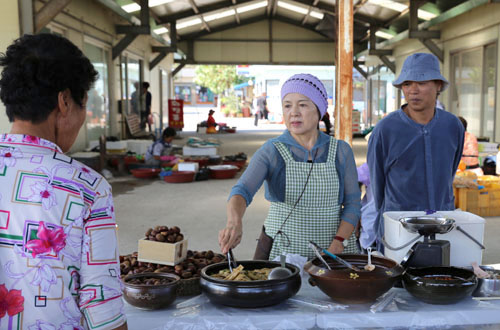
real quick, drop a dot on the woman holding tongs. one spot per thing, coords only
(311, 182)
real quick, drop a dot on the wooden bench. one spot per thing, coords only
(134, 130)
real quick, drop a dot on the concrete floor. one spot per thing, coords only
(199, 208)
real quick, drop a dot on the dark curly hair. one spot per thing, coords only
(36, 69)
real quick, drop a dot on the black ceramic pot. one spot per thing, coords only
(439, 285)
(349, 287)
(249, 294)
(151, 296)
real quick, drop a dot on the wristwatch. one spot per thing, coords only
(342, 240)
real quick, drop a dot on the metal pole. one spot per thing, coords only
(343, 81)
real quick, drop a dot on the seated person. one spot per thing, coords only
(159, 148)
(211, 124)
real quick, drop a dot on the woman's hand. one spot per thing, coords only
(230, 236)
(336, 247)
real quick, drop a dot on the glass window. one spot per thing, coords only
(473, 88)
(98, 95)
(488, 123)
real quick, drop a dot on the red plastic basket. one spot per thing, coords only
(180, 177)
(239, 163)
(223, 171)
(145, 173)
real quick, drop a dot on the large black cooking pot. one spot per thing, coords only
(349, 287)
(249, 294)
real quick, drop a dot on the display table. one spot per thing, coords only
(404, 312)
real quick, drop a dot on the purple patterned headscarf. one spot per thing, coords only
(308, 85)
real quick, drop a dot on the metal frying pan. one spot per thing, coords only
(428, 225)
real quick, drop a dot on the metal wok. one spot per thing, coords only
(249, 294)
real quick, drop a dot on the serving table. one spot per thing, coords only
(405, 312)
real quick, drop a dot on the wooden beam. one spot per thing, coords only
(236, 15)
(122, 45)
(343, 70)
(177, 69)
(202, 10)
(48, 12)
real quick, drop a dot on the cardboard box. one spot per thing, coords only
(169, 254)
(199, 151)
(484, 202)
(189, 166)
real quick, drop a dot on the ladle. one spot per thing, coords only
(369, 267)
(478, 271)
(278, 273)
(317, 252)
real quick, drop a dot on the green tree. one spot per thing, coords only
(217, 78)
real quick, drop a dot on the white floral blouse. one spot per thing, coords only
(58, 246)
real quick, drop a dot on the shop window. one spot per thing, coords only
(473, 89)
(204, 95)
(183, 93)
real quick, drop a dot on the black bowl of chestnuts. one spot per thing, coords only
(150, 290)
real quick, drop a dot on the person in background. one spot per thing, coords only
(414, 152)
(211, 124)
(310, 179)
(160, 147)
(328, 125)
(135, 100)
(470, 155)
(255, 111)
(146, 106)
(367, 232)
(60, 241)
(262, 105)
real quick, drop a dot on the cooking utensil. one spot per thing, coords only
(317, 252)
(480, 273)
(249, 294)
(347, 287)
(333, 256)
(150, 296)
(369, 267)
(231, 261)
(386, 299)
(488, 287)
(427, 225)
(439, 285)
(280, 272)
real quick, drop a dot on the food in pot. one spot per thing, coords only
(148, 281)
(189, 268)
(164, 234)
(240, 274)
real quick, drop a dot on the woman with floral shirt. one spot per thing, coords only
(58, 258)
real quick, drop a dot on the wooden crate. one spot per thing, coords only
(484, 202)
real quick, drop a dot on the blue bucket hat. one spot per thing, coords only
(420, 67)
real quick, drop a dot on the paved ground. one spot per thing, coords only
(199, 208)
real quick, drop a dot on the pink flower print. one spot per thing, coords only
(31, 139)
(44, 193)
(87, 174)
(49, 240)
(11, 302)
(44, 277)
(8, 156)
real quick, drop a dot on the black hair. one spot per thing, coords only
(35, 69)
(145, 84)
(168, 132)
(464, 122)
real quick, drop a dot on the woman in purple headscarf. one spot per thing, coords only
(310, 178)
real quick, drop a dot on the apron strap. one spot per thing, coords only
(283, 150)
(332, 150)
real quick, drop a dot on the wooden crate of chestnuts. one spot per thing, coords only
(189, 270)
(163, 245)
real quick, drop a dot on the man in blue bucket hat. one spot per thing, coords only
(413, 153)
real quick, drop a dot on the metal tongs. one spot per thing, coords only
(231, 261)
(317, 252)
(334, 257)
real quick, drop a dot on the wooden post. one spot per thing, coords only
(343, 71)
